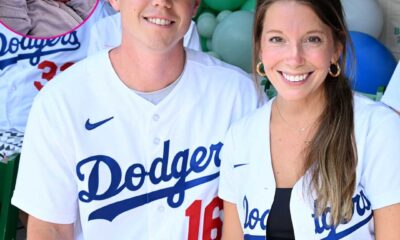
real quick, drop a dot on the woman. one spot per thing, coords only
(311, 163)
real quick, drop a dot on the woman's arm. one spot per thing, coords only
(387, 222)
(232, 229)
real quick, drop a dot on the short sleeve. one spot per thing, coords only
(46, 188)
(227, 184)
(391, 96)
(380, 177)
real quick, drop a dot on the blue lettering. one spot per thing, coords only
(136, 175)
(14, 43)
(323, 223)
(93, 178)
(132, 174)
(164, 176)
(197, 158)
(253, 218)
(69, 42)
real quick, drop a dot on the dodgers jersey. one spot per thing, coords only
(106, 33)
(247, 177)
(27, 64)
(391, 97)
(97, 154)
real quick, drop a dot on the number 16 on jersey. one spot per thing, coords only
(212, 223)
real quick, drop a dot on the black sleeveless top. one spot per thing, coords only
(279, 223)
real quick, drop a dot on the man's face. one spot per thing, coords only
(155, 24)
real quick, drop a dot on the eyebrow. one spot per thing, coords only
(308, 32)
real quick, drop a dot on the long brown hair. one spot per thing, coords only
(331, 156)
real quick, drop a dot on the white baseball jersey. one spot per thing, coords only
(247, 177)
(97, 154)
(106, 33)
(391, 97)
(27, 64)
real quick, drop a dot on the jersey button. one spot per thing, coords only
(156, 141)
(161, 208)
(156, 117)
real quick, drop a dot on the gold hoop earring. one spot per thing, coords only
(338, 70)
(260, 69)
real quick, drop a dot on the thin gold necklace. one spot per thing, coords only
(301, 130)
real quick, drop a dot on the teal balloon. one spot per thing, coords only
(249, 5)
(206, 24)
(220, 5)
(232, 39)
(223, 14)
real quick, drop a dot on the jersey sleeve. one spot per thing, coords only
(391, 96)
(46, 187)
(227, 184)
(380, 176)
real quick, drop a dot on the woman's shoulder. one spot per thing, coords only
(369, 112)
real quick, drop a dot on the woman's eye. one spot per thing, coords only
(314, 39)
(276, 39)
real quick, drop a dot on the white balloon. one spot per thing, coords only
(364, 16)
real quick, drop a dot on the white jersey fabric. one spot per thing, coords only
(27, 64)
(97, 154)
(247, 177)
(391, 97)
(106, 34)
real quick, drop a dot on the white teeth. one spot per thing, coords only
(294, 78)
(159, 21)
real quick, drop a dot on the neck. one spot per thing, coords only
(147, 70)
(300, 113)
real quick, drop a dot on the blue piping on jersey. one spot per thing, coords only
(251, 237)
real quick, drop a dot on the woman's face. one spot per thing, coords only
(297, 49)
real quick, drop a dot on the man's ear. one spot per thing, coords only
(196, 7)
(114, 4)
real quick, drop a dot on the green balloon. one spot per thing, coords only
(203, 43)
(220, 5)
(249, 5)
(209, 44)
(232, 39)
(221, 15)
(206, 24)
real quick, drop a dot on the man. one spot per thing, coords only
(125, 144)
